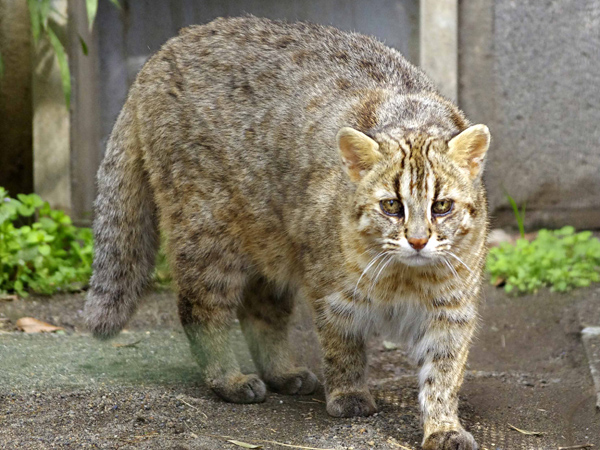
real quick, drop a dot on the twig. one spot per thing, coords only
(398, 445)
(266, 441)
(137, 439)
(528, 433)
(129, 344)
(575, 447)
(192, 406)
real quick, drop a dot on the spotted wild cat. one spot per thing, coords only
(295, 160)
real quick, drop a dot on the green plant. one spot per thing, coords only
(42, 15)
(561, 260)
(43, 256)
(519, 215)
(162, 272)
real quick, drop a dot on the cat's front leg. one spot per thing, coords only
(344, 360)
(442, 353)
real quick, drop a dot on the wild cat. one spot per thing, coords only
(288, 160)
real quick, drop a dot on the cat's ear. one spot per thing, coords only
(468, 148)
(359, 152)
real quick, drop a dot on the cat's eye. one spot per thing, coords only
(441, 207)
(392, 207)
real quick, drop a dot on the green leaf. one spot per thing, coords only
(44, 13)
(520, 218)
(33, 200)
(25, 210)
(19, 288)
(92, 9)
(84, 47)
(44, 249)
(34, 18)
(63, 64)
(117, 4)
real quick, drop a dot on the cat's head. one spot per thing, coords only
(418, 197)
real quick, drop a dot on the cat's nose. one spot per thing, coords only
(418, 243)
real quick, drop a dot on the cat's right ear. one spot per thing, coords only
(359, 152)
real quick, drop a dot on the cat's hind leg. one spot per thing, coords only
(210, 276)
(265, 318)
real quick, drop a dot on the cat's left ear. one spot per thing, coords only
(468, 149)
(359, 152)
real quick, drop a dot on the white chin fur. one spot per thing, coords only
(416, 261)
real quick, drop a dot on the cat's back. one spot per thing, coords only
(299, 50)
(264, 100)
(250, 62)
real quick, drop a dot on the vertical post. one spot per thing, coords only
(438, 31)
(16, 165)
(85, 120)
(51, 159)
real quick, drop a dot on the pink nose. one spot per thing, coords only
(418, 243)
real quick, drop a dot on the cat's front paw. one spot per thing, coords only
(240, 388)
(298, 382)
(450, 440)
(350, 404)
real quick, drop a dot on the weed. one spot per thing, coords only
(561, 260)
(42, 256)
(519, 215)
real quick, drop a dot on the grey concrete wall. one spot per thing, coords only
(531, 71)
(438, 46)
(16, 166)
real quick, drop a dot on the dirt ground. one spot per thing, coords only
(527, 369)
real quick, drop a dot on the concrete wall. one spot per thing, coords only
(531, 71)
(16, 173)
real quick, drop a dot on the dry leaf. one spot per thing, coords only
(243, 444)
(7, 298)
(499, 282)
(528, 433)
(573, 447)
(31, 325)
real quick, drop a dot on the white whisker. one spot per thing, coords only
(386, 261)
(450, 266)
(449, 253)
(365, 271)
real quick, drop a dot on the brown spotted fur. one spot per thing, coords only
(228, 141)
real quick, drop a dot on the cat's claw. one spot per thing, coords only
(298, 382)
(450, 440)
(351, 404)
(240, 389)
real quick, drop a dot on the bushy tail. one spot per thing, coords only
(125, 231)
